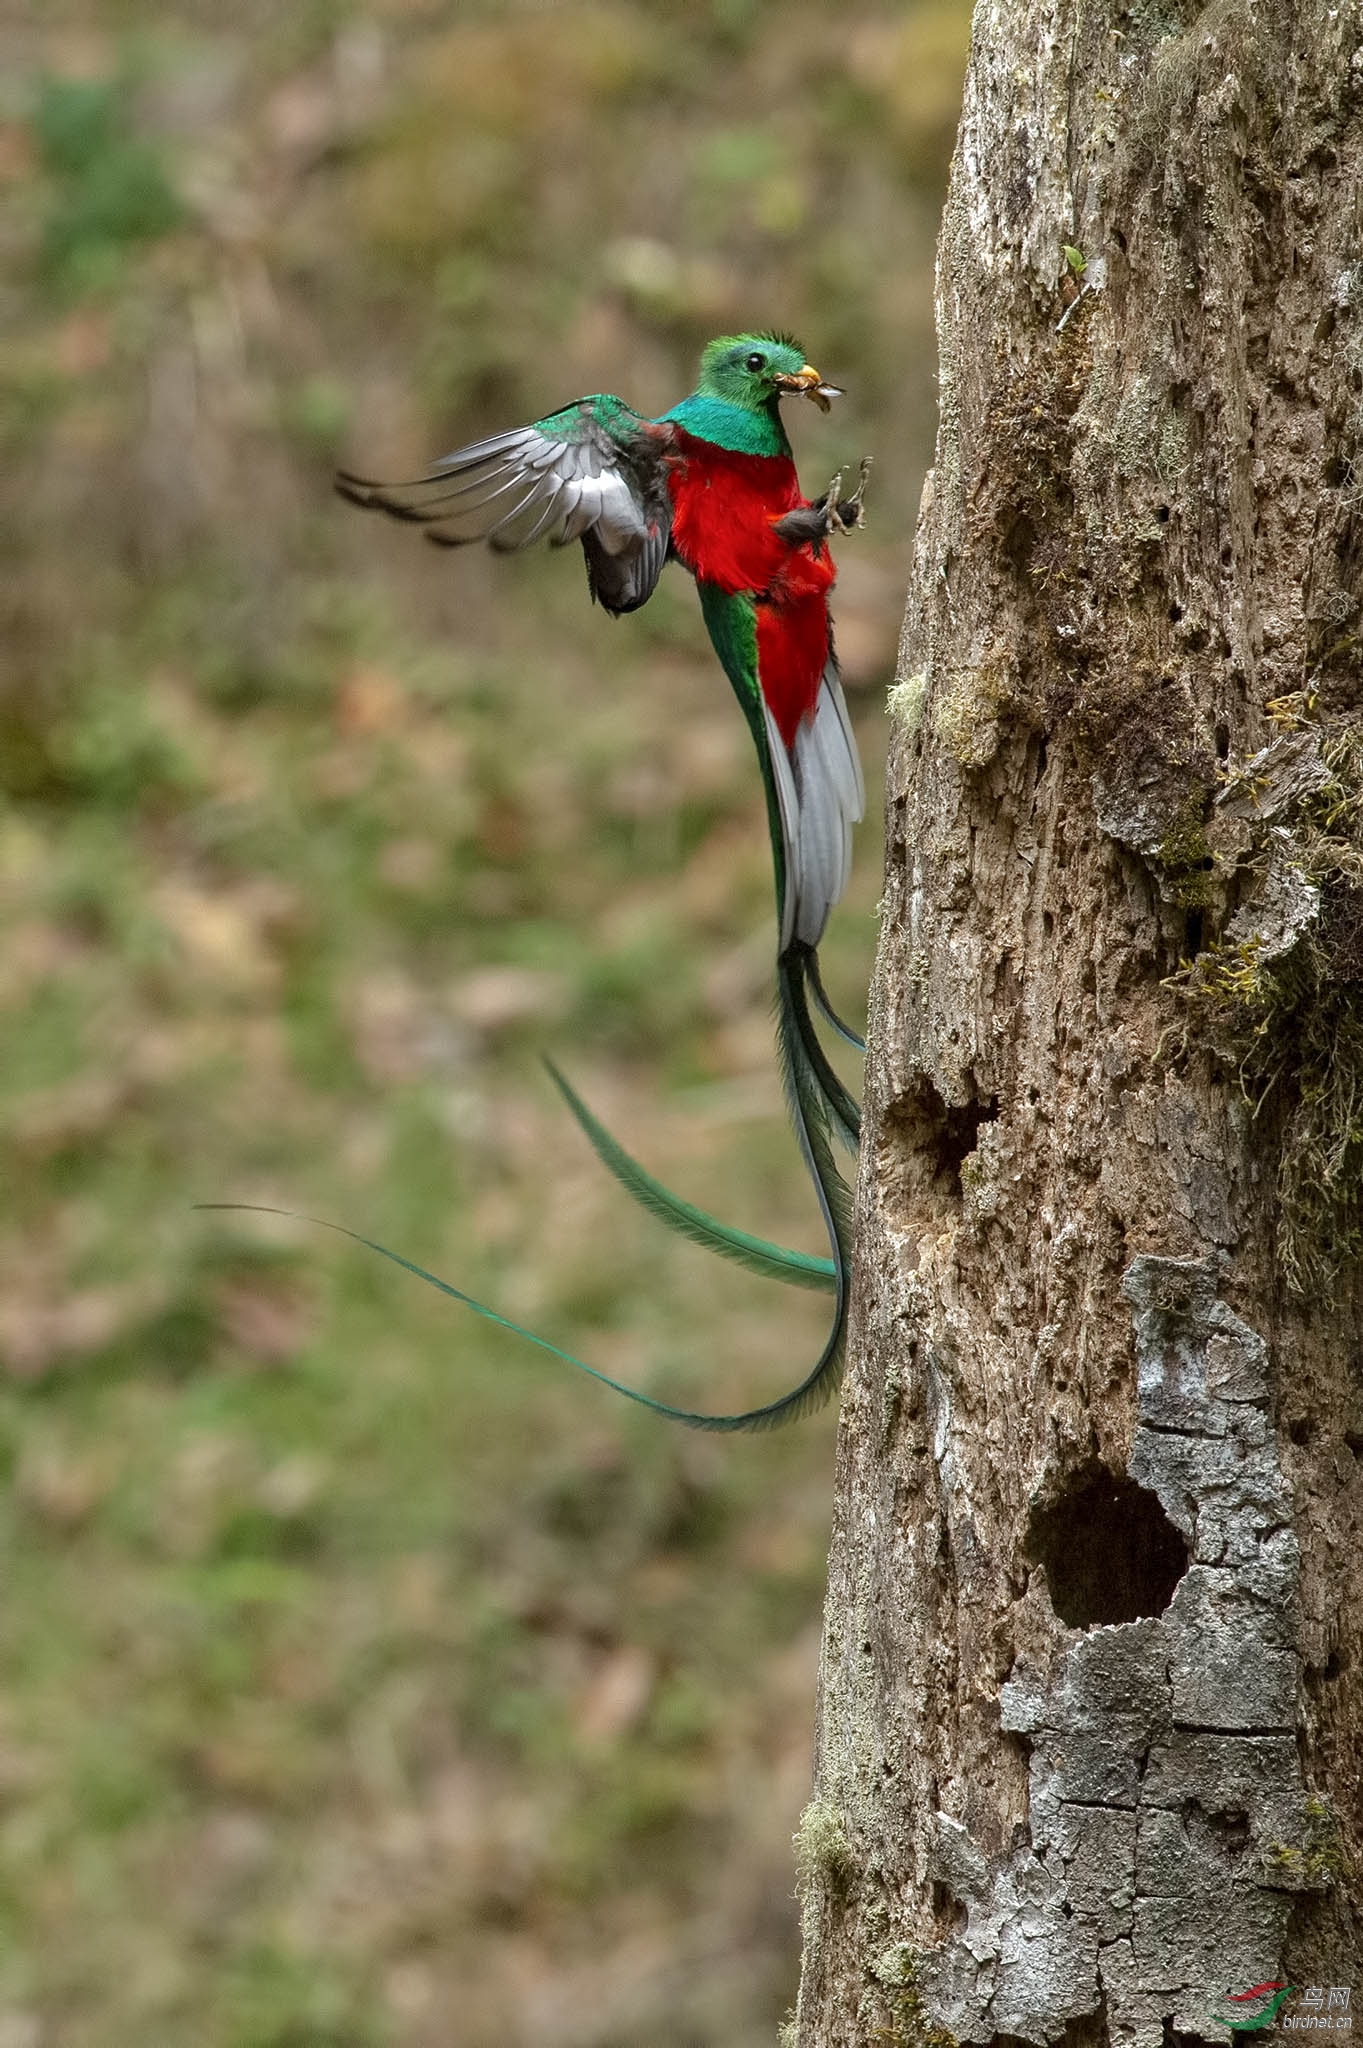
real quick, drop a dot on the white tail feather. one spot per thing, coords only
(820, 795)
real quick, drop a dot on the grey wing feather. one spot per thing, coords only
(820, 795)
(622, 579)
(568, 477)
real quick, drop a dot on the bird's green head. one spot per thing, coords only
(753, 370)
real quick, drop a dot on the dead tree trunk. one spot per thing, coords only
(1091, 1715)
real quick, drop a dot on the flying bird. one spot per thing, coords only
(712, 485)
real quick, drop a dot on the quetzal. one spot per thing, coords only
(712, 485)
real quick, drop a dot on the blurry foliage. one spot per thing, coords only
(108, 187)
(357, 1668)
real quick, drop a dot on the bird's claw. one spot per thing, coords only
(811, 523)
(844, 515)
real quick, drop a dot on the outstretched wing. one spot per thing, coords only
(594, 472)
(820, 795)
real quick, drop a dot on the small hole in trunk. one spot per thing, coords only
(1111, 1553)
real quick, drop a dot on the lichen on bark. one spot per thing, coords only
(1277, 994)
(1091, 1701)
(1163, 1771)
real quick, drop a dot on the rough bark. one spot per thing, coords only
(1091, 1713)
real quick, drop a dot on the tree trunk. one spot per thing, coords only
(1091, 1714)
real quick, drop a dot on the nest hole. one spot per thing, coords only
(1110, 1552)
(958, 1133)
(929, 1141)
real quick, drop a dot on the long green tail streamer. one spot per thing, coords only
(756, 1254)
(837, 1104)
(826, 1010)
(812, 1392)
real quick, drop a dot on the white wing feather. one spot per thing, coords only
(527, 485)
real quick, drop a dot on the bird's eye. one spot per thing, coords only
(757, 362)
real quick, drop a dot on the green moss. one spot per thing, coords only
(904, 702)
(1190, 891)
(1186, 858)
(967, 709)
(823, 1848)
(1314, 1863)
(907, 2024)
(1184, 845)
(1290, 1025)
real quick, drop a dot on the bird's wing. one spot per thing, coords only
(594, 472)
(820, 795)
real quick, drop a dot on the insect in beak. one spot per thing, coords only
(810, 384)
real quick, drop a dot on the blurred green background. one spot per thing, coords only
(367, 1678)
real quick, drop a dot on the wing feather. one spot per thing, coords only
(594, 472)
(506, 538)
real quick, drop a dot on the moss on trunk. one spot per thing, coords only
(1091, 1700)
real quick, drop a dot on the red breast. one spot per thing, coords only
(724, 505)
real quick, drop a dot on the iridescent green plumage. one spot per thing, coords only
(730, 619)
(636, 492)
(757, 1254)
(812, 1391)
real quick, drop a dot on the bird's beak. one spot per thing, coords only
(811, 384)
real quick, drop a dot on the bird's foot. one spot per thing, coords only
(846, 514)
(811, 525)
